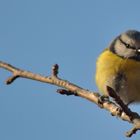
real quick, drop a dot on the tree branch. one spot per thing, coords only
(121, 111)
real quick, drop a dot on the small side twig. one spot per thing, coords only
(131, 132)
(55, 70)
(11, 79)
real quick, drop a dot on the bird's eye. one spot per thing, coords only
(127, 46)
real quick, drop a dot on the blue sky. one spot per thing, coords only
(34, 35)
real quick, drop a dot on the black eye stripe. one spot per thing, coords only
(127, 45)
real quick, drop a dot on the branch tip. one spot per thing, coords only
(11, 79)
(131, 132)
(55, 70)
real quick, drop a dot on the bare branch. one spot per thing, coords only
(72, 89)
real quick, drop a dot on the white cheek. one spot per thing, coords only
(120, 49)
(129, 53)
(123, 51)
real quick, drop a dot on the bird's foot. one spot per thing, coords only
(102, 99)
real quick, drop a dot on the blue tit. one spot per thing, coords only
(118, 66)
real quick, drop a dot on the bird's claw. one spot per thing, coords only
(102, 99)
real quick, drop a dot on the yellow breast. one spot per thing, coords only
(107, 67)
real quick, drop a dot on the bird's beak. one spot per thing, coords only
(138, 50)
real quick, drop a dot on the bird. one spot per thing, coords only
(118, 67)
